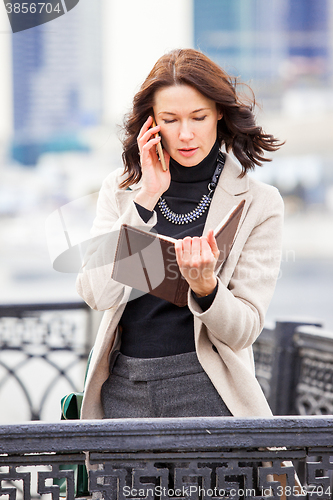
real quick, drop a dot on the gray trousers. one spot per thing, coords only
(172, 386)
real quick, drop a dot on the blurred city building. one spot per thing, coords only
(284, 50)
(276, 42)
(78, 71)
(57, 82)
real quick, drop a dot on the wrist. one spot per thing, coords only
(205, 290)
(146, 200)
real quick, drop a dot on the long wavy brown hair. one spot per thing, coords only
(237, 130)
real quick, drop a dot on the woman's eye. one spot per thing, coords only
(200, 118)
(169, 121)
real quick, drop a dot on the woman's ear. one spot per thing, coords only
(219, 114)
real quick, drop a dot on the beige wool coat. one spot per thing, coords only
(246, 283)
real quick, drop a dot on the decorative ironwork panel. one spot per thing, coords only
(319, 477)
(278, 481)
(43, 352)
(240, 479)
(109, 481)
(314, 389)
(278, 354)
(56, 473)
(192, 480)
(263, 350)
(164, 459)
(235, 479)
(11, 490)
(26, 482)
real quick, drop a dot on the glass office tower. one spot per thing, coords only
(264, 40)
(56, 83)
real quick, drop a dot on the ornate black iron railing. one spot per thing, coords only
(43, 352)
(189, 458)
(313, 393)
(44, 348)
(294, 365)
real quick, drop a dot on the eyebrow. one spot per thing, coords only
(174, 114)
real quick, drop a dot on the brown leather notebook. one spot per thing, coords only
(147, 261)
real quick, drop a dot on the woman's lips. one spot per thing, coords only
(188, 151)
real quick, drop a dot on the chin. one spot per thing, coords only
(189, 162)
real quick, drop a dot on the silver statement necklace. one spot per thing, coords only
(203, 203)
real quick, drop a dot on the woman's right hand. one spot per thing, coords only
(155, 181)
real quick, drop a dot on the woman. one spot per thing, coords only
(151, 358)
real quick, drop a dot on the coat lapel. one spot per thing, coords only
(231, 189)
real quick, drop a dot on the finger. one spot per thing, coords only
(149, 148)
(213, 244)
(145, 127)
(179, 252)
(207, 255)
(196, 248)
(187, 248)
(147, 134)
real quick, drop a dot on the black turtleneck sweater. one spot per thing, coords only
(152, 327)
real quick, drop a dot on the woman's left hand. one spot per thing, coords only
(197, 258)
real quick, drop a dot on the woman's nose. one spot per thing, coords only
(185, 132)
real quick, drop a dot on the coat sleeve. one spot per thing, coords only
(236, 316)
(94, 283)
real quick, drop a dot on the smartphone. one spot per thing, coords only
(159, 148)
